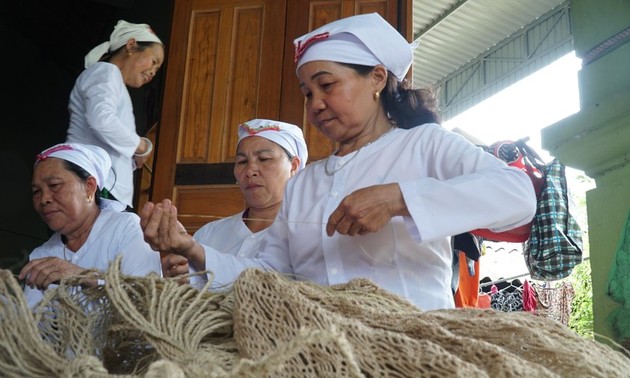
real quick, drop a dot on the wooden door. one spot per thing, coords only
(224, 67)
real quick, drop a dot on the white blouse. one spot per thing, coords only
(449, 186)
(114, 233)
(101, 114)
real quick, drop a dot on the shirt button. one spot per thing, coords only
(333, 194)
(333, 271)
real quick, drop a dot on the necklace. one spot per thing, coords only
(330, 173)
(64, 241)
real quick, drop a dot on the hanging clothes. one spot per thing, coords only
(467, 292)
(555, 302)
(509, 298)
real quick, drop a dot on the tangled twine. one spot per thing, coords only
(266, 325)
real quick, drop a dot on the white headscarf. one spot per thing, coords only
(286, 135)
(365, 39)
(123, 31)
(93, 159)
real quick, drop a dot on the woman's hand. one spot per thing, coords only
(139, 161)
(174, 265)
(40, 273)
(166, 234)
(367, 210)
(143, 152)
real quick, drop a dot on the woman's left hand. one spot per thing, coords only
(40, 273)
(367, 210)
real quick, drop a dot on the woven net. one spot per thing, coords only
(266, 325)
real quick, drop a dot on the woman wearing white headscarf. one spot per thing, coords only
(101, 111)
(384, 205)
(268, 154)
(89, 232)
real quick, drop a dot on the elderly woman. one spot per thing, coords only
(89, 233)
(385, 204)
(101, 112)
(268, 154)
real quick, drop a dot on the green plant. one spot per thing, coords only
(581, 320)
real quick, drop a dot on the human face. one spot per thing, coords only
(262, 169)
(59, 196)
(339, 101)
(142, 65)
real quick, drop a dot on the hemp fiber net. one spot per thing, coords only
(266, 325)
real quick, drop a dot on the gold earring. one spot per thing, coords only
(89, 199)
(377, 95)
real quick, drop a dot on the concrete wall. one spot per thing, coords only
(597, 139)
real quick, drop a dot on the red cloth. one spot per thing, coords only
(529, 297)
(484, 301)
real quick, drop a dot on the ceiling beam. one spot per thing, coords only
(439, 19)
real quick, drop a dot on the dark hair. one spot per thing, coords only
(405, 107)
(83, 175)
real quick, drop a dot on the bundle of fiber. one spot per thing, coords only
(267, 325)
(392, 338)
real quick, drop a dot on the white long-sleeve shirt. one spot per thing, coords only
(101, 114)
(230, 235)
(449, 186)
(114, 233)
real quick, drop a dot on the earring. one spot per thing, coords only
(89, 199)
(377, 95)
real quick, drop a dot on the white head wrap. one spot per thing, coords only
(93, 159)
(123, 32)
(287, 135)
(365, 39)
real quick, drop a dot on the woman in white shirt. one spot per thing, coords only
(101, 111)
(385, 204)
(268, 154)
(89, 232)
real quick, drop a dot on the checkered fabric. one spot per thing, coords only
(555, 245)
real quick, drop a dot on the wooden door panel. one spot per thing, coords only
(199, 83)
(224, 67)
(200, 204)
(223, 80)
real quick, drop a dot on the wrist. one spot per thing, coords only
(197, 256)
(148, 150)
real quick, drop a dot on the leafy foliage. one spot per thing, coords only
(581, 320)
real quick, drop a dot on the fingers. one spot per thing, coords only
(41, 273)
(345, 223)
(174, 265)
(145, 214)
(152, 217)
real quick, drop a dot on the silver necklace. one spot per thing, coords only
(330, 173)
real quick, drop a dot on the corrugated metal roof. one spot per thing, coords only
(454, 32)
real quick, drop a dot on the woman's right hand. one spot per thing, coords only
(367, 210)
(40, 273)
(166, 234)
